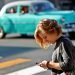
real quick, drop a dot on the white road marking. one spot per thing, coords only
(29, 71)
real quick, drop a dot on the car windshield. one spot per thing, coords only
(40, 7)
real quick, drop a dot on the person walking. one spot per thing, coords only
(49, 32)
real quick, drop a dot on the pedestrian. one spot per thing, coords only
(49, 32)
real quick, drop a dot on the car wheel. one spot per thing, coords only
(72, 35)
(2, 34)
(23, 35)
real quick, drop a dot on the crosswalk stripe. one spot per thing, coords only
(29, 71)
(12, 62)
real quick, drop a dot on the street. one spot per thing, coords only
(19, 52)
(24, 51)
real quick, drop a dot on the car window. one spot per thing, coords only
(11, 10)
(24, 9)
(39, 7)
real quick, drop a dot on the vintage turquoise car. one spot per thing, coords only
(22, 17)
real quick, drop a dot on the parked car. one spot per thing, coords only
(22, 17)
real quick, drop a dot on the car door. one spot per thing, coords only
(26, 21)
(11, 21)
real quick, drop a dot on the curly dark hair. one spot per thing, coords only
(50, 25)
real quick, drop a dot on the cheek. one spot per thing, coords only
(49, 38)
(52, 37)
(46, 40)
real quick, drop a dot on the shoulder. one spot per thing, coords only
(67, 45)
(65, 40)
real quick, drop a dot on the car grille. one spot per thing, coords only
(69, 25)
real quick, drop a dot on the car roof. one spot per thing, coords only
(28, 2)
(24, 2)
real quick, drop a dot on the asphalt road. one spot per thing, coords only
(19, 47)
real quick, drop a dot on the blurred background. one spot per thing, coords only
(61, 4)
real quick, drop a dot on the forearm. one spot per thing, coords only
(54, 65)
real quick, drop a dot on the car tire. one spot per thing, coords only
(2, 33)
(23, 35)
(72, 35)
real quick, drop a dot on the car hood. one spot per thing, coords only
(51, 16)
(55, 12)
(56, 17)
